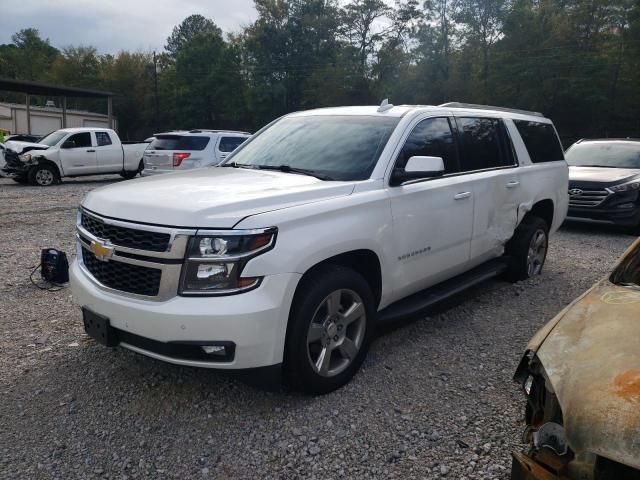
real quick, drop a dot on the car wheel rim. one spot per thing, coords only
(336, 332)
(537, 253)
(44, 177)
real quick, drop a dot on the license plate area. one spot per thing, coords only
(99, 328)
(159, 160)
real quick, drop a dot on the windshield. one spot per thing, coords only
(338, 147)
(52, 138)
(605, 154)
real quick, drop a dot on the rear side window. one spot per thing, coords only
(229, 144)
(179, 142)
(103, 139)
(541, 141)
(431, 138)
(483, 144)
(80, 140)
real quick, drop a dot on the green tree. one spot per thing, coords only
(28, 57)
(190, 28)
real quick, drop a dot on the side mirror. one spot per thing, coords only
(418, 167)
(69, 144)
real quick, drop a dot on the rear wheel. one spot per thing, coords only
(43, 175)
(331, 325)
(129, 174)
(527, 250)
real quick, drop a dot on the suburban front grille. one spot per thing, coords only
(587, 198)
(123, 276)
(126, 237)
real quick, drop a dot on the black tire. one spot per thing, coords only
(129, 174)
(311, 298)
(22, 179)
(527, 236)
(43, 175)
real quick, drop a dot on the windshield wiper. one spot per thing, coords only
(237, 165)
(302, 171)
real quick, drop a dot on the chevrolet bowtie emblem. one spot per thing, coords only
(101, 251)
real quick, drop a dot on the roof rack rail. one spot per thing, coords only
(489, 107)
(200, 130)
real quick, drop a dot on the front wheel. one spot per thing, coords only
(43, 175)
(527, 249)
(331, 326)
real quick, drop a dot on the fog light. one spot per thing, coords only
(626, 205)
(551, 435)
(214, 349)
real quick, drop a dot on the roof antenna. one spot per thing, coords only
(385, 105)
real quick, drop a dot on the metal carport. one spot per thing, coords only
(38, 88)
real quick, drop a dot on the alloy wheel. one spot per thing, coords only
(537, 253)
(336, 332)
(44, 177)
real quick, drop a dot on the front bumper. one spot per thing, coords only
(625, 217)
(621, 208)
(255, 321)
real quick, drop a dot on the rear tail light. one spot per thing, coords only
(179, 157)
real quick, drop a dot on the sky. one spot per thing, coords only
(114, 25)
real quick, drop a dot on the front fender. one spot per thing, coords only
(311, 233)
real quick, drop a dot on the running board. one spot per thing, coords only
(420, 302)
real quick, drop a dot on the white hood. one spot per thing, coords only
(601, 174)
(18, 146)
(209, 197)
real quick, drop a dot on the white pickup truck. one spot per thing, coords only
(73, 152)
(320, 227)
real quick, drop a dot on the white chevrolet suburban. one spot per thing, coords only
(320, 227)
(74, 152)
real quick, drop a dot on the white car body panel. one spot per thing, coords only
(422, 232)
(211, 197)
(18, 146)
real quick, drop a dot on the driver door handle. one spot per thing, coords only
(91, 151)
(513, 184)
(462, 195)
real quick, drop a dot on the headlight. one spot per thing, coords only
(215, 261)
(624, 187)
(25, 158)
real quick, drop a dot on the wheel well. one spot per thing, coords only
(44, 161)
(544, 210)
(365, 262)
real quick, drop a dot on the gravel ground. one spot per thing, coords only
(434, 399)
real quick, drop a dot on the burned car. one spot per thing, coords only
(581, 377)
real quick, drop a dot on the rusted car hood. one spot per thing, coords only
(591, 354)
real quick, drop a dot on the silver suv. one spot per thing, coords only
(183, 150)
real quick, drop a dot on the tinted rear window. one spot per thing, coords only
(179, 142)
(541, 141)
(229, 144)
